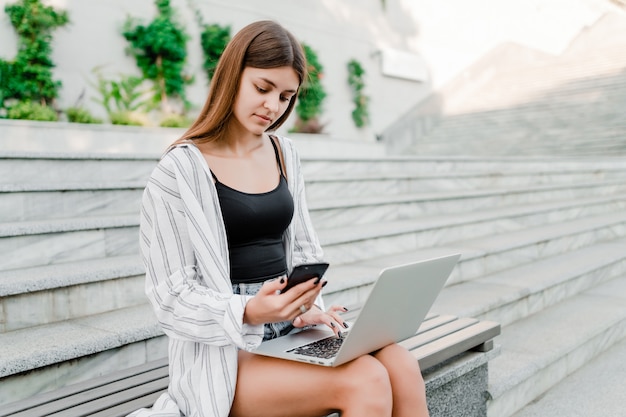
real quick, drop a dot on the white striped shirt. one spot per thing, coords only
(185, 252)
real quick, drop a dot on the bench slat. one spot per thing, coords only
(44, 398)
(124, 409)
(120, 397)
(435, 321)
(86, 395)
(456, 343)
(437, 333)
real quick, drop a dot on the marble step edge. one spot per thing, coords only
(602, 139)
(495, 125)
(528, 87)
(572, 81)
(457, 194)
(494, 292)
(61, 186)
(47, 277)
(346, 234)
(536, 355)
(452, 175)
(77, 155)
(38, 227)
(443, 159)
(315, 180)
(566, 104)
(495, 148)
(521, 119)
(35, 347)
(523, 86)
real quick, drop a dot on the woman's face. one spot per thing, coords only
(263, 97)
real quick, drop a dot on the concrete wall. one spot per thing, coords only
(448, 35)
(338, 31)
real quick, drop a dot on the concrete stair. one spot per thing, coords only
(542, 239)
(561, 105)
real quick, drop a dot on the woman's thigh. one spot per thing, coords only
(276, 387)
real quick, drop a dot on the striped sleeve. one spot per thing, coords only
(186, 274)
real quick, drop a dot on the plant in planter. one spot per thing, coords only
(125, 100)
(28, 78)
(160, 51)
(311, 96)
(356, 73)
(213, 39)
(78, 114)
(31, 110)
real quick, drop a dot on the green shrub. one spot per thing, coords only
(175, 120)
(81, 115)
(125, 118)
(213, 39)
(160, 51)
(30, 110)
(356, 80)
(29, 76)
(311, 95)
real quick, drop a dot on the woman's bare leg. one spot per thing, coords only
(275, 387)
(407, 384)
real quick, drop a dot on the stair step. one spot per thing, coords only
(388, 184)
(483, 269)
(372, 209)
(339, 167)
(35, 347)
(70, 167)
(491, 232)
(509, 295)
(51, 293)
(52, 356)
(542, 349)
(603, 376)
(64, 201)
(36, 243)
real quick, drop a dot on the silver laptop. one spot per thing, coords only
(393, 311)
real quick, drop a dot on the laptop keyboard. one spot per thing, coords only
(323, 348)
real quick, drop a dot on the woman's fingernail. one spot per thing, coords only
(344, 309)
(345, 325)
(324, 284)
(317, 281)
(332, 325)
(282, 280)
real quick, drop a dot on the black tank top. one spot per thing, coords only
(255, 224)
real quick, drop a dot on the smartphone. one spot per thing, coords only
(305, 272)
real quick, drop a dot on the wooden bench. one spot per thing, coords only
(440, 338)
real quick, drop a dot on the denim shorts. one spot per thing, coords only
(272, 330)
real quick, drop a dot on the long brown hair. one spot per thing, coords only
(263, 44)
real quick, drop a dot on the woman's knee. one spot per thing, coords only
(366, 381)
(397, 356)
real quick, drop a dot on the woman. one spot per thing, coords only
(223, 220)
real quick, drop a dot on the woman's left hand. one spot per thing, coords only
(331, 318)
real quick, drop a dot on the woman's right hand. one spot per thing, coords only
(269, 305)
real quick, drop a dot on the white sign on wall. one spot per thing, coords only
(402, 64)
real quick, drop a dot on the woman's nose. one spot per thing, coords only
(271, 103)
